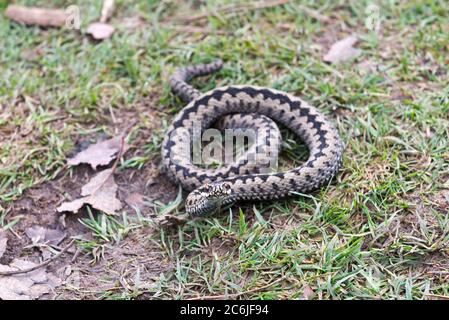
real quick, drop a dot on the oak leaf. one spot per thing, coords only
(98, 154)
(25, 286)
(99, 192)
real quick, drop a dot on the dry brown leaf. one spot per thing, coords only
(26, 286)
(37, 16)
(342, 50)
(98, 154)
(99, 192)
(3, 243)
(41, 235)
(100, 31)
(307, 292)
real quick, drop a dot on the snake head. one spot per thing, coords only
(208, 198)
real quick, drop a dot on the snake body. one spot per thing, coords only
(245, 106)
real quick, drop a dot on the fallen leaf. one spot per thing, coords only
(100, 31)
(41, 235)
(98, 154)
(72, 206)
(3, 243)
(37, 16)
(99, 192)
(26, 286)
(107, 10)
(307, 292)
(342, 50)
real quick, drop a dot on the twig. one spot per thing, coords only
(439, 296)
(75, 255)
(37, 16)
(40, 265)
(192, 29)
(170, 220)
(438, 272)
(315, 14)
(236, 295)
(107, 10)
(55, 119)
(236, 8)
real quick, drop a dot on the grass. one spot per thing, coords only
(380, 230)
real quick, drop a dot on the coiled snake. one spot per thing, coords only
(245, 107)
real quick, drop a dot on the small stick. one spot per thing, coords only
(438, 272)
(315, 14)
(192, 29)
(107, 10)
(40, 265)
(169, 219)
(439, 296)
(37, 16)
(76, 254)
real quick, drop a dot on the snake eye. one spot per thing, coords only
(227, 187)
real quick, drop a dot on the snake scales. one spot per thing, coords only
(245, 107)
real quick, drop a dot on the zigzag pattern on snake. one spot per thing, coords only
(245, 106)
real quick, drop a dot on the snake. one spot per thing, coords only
(247, 107)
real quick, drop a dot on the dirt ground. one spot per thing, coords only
(112, 267)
